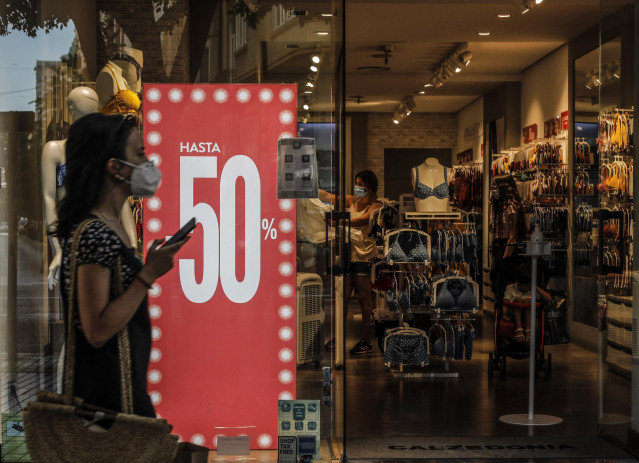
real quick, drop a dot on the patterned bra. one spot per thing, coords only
(424, 191)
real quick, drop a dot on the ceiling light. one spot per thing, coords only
(588, 87)
(308, 91)
(306, 107)
(429, 85)
(395, 120)
(525, 7)
(321, 33)
(315, 59)
(503, 16)
(465, 57)
(327, 15)
(538, 1)
(309, 84)
(313, 68)
(457, 69)
(409, 102)
(422, 92)
(483, 34)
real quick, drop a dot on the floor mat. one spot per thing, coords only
(481, 447)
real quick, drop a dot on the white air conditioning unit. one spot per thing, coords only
(310, 319)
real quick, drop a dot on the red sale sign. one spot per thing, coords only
(223, 320)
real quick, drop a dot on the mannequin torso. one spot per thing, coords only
(81, 101)
(431, 181)
(114, 92)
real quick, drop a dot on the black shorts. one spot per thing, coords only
(361, 269)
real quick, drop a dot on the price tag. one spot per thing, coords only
(233, 445)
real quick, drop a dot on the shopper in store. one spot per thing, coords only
(508, 230)
(361, 205)
(106, 164)
(517, 298)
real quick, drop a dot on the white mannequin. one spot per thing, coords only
(81, 101)
(126, 76)
(431, 173)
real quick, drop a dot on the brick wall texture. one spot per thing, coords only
(163, 38)
(419, 130)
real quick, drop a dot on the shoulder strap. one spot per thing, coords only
(70, 345)
(126, 391)
(117, 84)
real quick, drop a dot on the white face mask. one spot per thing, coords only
(359, 191)
(144, 179)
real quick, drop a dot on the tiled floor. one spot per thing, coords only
(379, 405)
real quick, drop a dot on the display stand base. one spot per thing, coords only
(523, 420)
(613, 418)
(422, 374)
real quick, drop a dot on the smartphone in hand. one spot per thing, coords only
(182, 232)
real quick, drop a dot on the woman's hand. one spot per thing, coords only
(159, 259)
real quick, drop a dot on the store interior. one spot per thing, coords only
(515, 103)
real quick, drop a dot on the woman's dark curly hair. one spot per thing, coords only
(369, 178)
(93, 140)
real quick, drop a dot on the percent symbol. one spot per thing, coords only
(268, 227)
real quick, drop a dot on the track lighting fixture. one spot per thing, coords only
(451, 65)
(465, 57)
(525, 7)
(404, 109)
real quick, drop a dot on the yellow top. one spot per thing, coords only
(125, 101)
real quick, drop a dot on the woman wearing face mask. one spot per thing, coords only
(360, 205)
(106, 164)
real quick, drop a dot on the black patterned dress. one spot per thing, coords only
(97, 370)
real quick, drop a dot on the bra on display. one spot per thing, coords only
(406, 346)
(60, 173)
(407, 246)
(424, 191)
(455, 293)
(124, 101)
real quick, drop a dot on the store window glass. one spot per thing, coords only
(616, 310)
(223, 94)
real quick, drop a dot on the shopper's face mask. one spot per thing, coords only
(360, 191)
(144, 179)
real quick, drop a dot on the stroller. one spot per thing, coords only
(505, 344)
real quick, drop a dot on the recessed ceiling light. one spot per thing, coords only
(422, 92)
(321, 33)
(503, 16)
(306, 107)
(327, 15)
(308, 91)
(313, 68)
(483, 34)
(538, 1)
(315, 59)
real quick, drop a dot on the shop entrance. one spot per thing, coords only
(508, 95)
